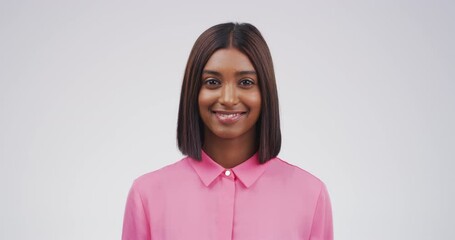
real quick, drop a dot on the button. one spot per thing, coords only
(227, 173)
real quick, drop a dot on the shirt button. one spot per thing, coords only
(227, 173)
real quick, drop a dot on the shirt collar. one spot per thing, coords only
(247, 172)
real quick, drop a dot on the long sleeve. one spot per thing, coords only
(135, 221)
(322, 228)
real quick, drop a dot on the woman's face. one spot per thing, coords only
(229, 99)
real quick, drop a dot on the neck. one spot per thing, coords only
(230, 152)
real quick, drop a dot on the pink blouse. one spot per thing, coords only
(190, 200)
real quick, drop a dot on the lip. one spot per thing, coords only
(227, 112)
(229, 117)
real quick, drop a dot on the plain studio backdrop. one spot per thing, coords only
(89, 96)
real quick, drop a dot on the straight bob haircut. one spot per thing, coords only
(247, 39)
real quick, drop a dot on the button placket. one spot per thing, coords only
(226, 202)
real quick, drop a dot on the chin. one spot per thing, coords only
(232, 133)
(227, 134)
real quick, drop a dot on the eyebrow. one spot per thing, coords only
(239, 73)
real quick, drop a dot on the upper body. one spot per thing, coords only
(199, 200)
(231, 185)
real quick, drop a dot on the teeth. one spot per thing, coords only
(229, 115)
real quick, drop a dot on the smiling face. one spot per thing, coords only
(229, 99)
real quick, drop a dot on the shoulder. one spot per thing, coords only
(297, 174)
(167, 174)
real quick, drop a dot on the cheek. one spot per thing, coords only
(204, 98)
(254, 101)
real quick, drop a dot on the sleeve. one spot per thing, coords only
(322, 227)
(135, 220)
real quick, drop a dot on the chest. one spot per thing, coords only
(228, 210)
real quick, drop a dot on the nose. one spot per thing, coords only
(229, 95)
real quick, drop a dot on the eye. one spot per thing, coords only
(212, 82)
(246, 82)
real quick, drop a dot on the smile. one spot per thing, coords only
(227, 117)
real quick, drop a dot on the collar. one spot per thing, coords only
(247, 172)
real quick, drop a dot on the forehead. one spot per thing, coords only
(229, 59)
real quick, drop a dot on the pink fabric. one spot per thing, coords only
(197, 200)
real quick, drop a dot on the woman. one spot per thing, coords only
(231, 185)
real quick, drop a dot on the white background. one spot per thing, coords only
(89, 96)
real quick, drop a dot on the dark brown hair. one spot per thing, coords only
(248, 40)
